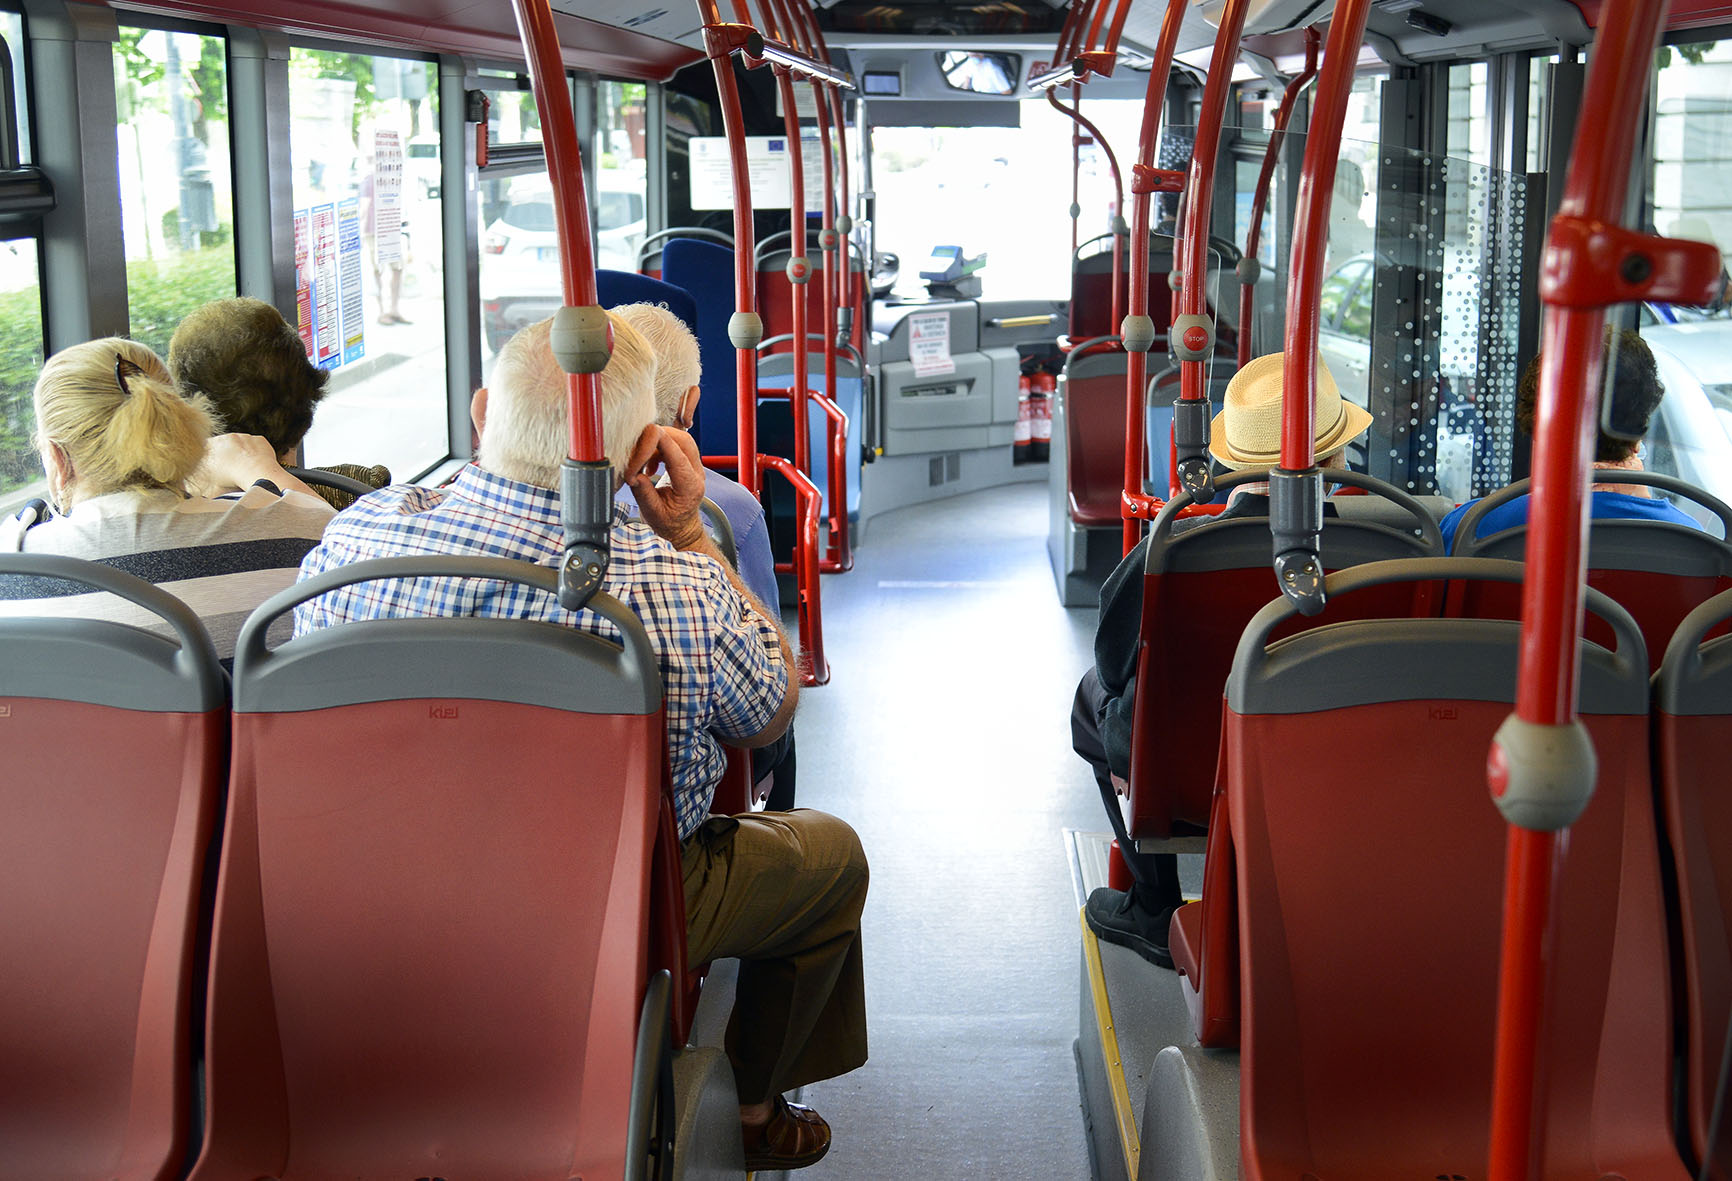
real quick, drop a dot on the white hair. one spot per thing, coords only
(678, 366)
(526, 435)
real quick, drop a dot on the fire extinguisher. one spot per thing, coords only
(1022, 440)
(1042, 386)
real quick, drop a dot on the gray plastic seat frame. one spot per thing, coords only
(1368, 662)
(1175, 544)
(1695, 679)
(529, 662)
(342, 483)
(100, 662)
(721, 530)
(1614, 543)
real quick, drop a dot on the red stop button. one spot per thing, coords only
(1196, 338)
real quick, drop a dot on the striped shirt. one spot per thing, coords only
(221, 557)
(723, 676)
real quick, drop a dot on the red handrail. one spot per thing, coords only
(1589, 263)
(799, 271)
(1311, 232)
(1277, 136)
(570, 207)
(1199, 198)
(1144, 181)
(1076, 116)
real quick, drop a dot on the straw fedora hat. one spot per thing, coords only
(1246, 434)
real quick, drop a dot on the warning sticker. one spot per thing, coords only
(929, 344)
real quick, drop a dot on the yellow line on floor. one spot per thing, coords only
(1121, 1091)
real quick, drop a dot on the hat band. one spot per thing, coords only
(1317, 437)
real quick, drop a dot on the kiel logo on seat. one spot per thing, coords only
(443, 713)
(5, 711)
(1444, 713)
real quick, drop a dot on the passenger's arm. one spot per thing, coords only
(674, 512)
(234, 463)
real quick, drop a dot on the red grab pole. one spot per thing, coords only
(1137, 331)
(1277, 136)
(570, 207)
(1076, 116)
(1589, 263)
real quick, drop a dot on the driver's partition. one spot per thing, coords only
(115, 747)
(433, 907)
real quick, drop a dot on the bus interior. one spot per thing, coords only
(1033, 245)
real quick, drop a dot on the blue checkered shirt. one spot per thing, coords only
(723, 675)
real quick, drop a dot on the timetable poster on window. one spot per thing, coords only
(329, 293)
(327, 324)
(388, 197)
(304, 278)
(349, 277)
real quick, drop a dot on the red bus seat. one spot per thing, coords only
(1093, 390)
(1693, 727)
(1203, 581)
(1656, 570)
(1370, 898)
(116, 744)
(433, 908)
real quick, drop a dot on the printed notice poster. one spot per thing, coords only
(388, 197)
(712, 176)
(327, 326)
(929, 344)
(349, 279)
(304, 278)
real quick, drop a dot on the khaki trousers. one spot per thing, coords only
(782, 891)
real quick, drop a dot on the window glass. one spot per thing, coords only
(1353, 210)
(364, 137)
(1356, 312)
(1539, 109)
(621, 184)
(511, 114)
(1690, 174)
(1247, 170)
(176, 202)
(12, 32)
(20, 361)
(519, 275)
(1469, 121)
(1336, 288)
(948, 185)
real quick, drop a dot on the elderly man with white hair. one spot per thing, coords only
(782, 892)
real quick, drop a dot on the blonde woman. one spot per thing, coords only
(120, 447)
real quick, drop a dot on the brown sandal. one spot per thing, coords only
(793, 1137)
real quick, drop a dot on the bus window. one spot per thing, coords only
(171, 96)
(621, 183)
(995, 190)
(1469, 132)
(20, 360)
(519, 277)
(1691, 434)
(369, 263)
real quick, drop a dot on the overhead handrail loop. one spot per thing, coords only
(1589, 263)
(1295, 486)
(1118, 223)
(1193, 329)
(1249, 269)
(1138, 329)
(582, 338)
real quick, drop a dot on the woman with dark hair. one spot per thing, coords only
(252, 366)
(120, 447)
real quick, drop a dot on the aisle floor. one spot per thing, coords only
(944, 739)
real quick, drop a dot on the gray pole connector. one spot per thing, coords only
(827, 239)
(1296, 528)
(1191, 442)
(1138, 333)
(1542, 776)
(799, 268)
(745, 329)
(1119, 226)
(1175, 280)
(1249, 269)
(581, 339)
(1075, 211)
(844, 224)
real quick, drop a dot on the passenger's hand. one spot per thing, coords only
(232, 463)
(672, 511)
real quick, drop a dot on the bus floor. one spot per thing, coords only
(944, 739)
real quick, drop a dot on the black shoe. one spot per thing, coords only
(1113, 915)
